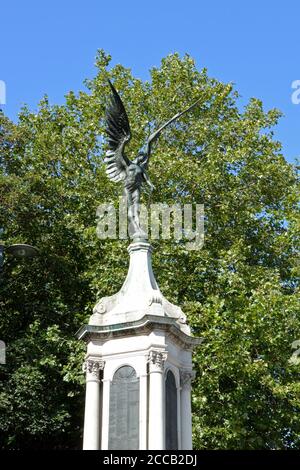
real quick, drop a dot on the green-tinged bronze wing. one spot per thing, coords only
(118, 131)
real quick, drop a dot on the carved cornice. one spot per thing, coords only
(157, 360)
(140, 327)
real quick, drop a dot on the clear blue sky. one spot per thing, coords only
(49, 47)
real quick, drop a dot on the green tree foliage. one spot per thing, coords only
(239, 291)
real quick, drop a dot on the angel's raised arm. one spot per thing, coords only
(153, 137)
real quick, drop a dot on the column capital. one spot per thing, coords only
(92, 367)
(186, 377)
(156, 359)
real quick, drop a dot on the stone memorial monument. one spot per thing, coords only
(139, 347)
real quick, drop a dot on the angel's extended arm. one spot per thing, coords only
(153, 137)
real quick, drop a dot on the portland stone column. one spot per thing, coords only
(156, 400)
(91, 439)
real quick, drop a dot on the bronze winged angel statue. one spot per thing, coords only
(120, 168)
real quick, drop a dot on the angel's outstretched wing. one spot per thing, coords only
(157, 133)
(118, 131)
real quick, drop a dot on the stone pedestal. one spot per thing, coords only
(138, 366)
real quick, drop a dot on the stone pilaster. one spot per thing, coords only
(186, 377)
